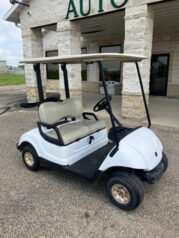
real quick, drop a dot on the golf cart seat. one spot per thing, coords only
(56, 116)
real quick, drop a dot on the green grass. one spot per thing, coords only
(11, 79)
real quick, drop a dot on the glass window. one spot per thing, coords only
(84, 66)
(52, 69)
(159, 75)
(112, 70)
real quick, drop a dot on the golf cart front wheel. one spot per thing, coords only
(125, 190)
(30, 158)
(165, 161)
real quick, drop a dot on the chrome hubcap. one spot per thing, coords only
(29, 159)
(121, 194)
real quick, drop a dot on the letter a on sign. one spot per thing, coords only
(72, 8)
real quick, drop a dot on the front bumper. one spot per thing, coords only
(154, 175)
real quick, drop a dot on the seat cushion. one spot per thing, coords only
(92, 125)
(71, 132)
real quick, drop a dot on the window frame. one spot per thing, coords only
(100, 50)
(46, 52)
(86, 48)
(168, 55)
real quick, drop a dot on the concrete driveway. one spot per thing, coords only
(53, 203)
(11, 97)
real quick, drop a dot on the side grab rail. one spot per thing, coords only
(86, 114)
(48, 138)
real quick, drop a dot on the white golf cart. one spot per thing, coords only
(78, 142)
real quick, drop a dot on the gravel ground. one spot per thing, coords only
(55, 203)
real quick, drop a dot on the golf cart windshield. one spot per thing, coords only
(89, 58)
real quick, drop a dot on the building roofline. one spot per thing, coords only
(10, 12)
(12, 15)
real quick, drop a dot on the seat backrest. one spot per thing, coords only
(53, 112)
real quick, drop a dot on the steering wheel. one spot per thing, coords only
(101, 105)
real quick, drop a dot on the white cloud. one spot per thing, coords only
(4, 52)
(2, 39)
(15, 34)
(10, 37)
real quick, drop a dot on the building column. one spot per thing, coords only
(138, 40)
(32, 47)
(92, 84)
(69, 43)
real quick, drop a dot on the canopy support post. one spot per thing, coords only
(143, 95)
(65, 73)
(39, 82)
(108, 101)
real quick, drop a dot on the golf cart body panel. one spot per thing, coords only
(141, 149)
(64, 155)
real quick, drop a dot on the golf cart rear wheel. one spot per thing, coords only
(30, 158)
(125, 190)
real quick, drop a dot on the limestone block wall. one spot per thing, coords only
(134, 103)
(33, 47)
(92, 83)
(32, 94)
(50, 43)
(69, 43)
(52, 86)
(68, 37)
(43, 12)
(138, 40)
(56, 10)
(50, 40)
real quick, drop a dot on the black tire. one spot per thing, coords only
(165, 161)
(35, 162)
(132, 185)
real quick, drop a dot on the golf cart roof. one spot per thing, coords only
(85, 58)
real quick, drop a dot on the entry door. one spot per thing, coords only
(159, 75)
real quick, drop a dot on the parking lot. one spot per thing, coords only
(55, 203)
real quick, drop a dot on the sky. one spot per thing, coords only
(10, 38)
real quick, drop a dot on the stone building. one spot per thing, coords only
(144, 27)
(3, 67)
